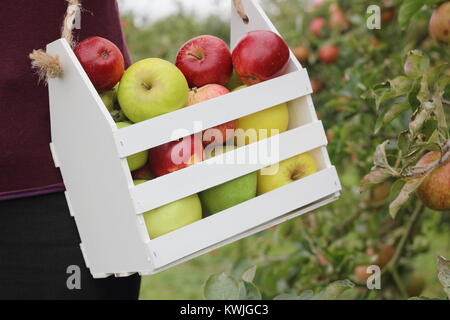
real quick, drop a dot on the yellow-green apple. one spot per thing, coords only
(150, 88)
(439, 23)
(205, 60)
(109, 98)
(329, 54)
(285, 172)
(172, 216)
(219, 134)
(102, 61)
(259, 56)
(262, 124)
(176, 155)
(230, 193)
(434, 191)
(138, 160)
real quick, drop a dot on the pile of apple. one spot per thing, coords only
(204, 69)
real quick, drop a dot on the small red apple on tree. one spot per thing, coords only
(329, 54)
(176, 155)
(219, 134)
(338, 19)
(434, 191)
(317, 25)
(261, 55)
(205, 60)
(439, 23)
(102, 61)
(302, 54)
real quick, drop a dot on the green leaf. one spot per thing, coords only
(393, 112)
(407, 190)
(221, 287)
(374, 177)
(335, 289)
(249, 274)
(444, 274)
(251, 291)
(407, 10)
(420, 117)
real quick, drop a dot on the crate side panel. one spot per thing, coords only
(244, 217)
(93, 173)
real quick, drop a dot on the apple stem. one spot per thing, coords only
(146, 86)
(198, 57)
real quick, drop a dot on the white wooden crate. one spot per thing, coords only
(91, 153)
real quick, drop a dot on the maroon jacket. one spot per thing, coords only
(26, 164)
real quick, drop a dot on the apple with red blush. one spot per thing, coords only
(176, 155)
(261, 55)
(205, 60)
(221, 133)
(102, 61)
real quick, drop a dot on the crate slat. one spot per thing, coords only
(245, 216)
(210, 173)
(159, 130)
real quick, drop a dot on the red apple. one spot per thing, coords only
(204, 60)
(317, 86)
(102, 61)
(144, 173)
(329, 54)
(260, 56)
(302, 54)
(317, 25)
(435, 189)
(222, 133)
(176, 155)
(338, 18)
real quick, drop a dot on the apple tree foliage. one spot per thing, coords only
(385, 102)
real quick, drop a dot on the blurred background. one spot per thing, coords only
(332, 243)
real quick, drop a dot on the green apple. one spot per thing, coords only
(172, 216)
(230, 193)
(259, 125)
(109, 98)
(138, 160)
(152, 87)
(285, 172)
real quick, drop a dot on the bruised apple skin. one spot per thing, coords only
(435, 189)
(439, 27)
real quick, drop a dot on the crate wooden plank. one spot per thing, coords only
(155, 193)
(262, 227)
(243, 217)
(159, 130)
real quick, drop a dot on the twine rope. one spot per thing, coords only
(241, 11)
(46, 65)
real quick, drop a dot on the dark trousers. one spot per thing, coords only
(38, 245)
